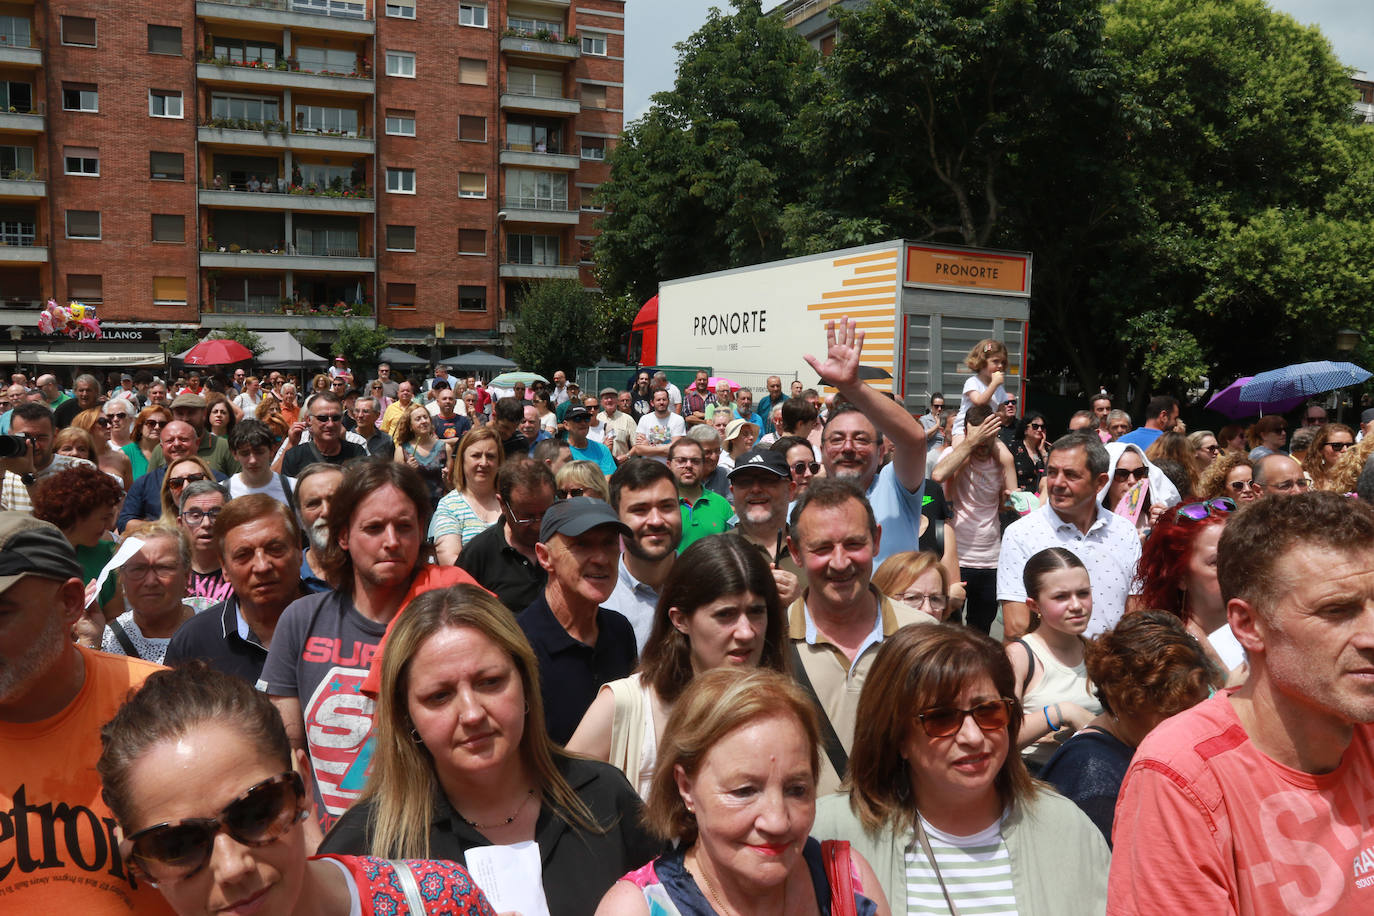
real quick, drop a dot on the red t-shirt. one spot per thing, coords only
(1206, 823)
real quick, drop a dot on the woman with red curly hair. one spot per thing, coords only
(84, 502)
(1177, 573)
(1146, 670)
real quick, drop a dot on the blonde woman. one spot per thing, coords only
(109, 459)
(582, 478)
(472, 505)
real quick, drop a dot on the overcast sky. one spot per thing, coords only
(654, 26)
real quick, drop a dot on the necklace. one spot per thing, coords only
(507, 822)
(722, 909)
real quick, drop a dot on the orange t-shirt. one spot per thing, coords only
(429, 579)
(57, 838)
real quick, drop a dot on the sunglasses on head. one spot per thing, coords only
(943, 721)
(259, 817)
(1196, 512)
(1139, 473)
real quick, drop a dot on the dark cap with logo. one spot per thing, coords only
(762, 459)
(578, 412)
(578, 516)
(29, 547)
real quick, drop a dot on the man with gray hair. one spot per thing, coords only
(366, 414)
(1073, 518)
(660, 382)
(87, 390)
(713, 476)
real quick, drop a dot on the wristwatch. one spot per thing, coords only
(28, 479)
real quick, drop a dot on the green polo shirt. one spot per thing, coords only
(707, 516)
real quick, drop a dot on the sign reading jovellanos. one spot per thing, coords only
(1006, 273)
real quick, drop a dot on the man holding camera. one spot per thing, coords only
(25, 466)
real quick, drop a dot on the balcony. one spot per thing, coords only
(22, 186)
(227, 313)
(23, 122)
(544, 212)
(309, 15)
(23, 254)
(222, 72)
(278, 135)
(352, 200)
(564, 271)
(537, 101)
(524, 155)
(540, 46)
(15, 51)
(319, 260)
(19, 303)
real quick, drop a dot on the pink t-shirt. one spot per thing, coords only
(976, 496)
(1206, 823)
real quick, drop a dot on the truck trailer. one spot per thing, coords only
(921, 308)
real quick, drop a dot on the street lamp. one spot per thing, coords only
(164, 335)
(16, 334)
(1346, 339)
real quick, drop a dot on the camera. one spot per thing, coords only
(13, 446)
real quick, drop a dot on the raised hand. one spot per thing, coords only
(844, 344)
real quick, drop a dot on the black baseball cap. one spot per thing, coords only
(762, 459)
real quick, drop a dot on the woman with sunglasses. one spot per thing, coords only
(120, 412)
(198, 771)
(1177, 573)
(1232, 475)
(1205, 448)
(1128, 466)
(179, 474)
(463, 759)
(110, 460)
(933, 755)
(1145, 670)
(1326, 450)
(1267, 436)
(718, 608)
(147, 429)
(581, 478)
(1032, 448)
(801, 460)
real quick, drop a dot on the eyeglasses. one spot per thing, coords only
(1196, 512)
(1315, 421)
(176, 483)
(943, 721)
(105, 422)
(117, 416)
(801, 467)
(1210, 449)
(326, 418)
(936, 600)
(1139, 473)
(136, 572)
(570, 492)
(1283, 486)
(259, 817)
(532, 520)
(194, 517)
(861, 440)
(687, 462)
(1242, 485)
(1036, 426)
(155, 424)
(1339, 446)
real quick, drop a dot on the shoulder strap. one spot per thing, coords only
(839, 870)
(1030, 665)
(934, 866)
(627, 727)
(834, 748)
(405, 878)
(122, 637)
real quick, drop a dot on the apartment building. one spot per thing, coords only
(287, 163)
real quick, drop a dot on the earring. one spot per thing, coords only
(415, 736)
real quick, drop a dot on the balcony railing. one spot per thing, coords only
(19, 302)
(284, 128)
(266, 306)
(281, 187)
(210, 246)
(339, 9)
(536, 203)
(35, 108)
(527, 260)
(12, 40)
(534, 92)
(362, 70)
(552, 149)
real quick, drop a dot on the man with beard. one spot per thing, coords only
(645, 497)
(852, 443)
(704, 512)
(54, 697)
(761, 488)
(259, 546)
(315, 486)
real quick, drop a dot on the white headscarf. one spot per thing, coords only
(1162, 490)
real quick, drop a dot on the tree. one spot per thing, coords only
(701, 181)
(560, 325)
(359, 341)
(239, 333)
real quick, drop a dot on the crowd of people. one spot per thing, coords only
(426, 646)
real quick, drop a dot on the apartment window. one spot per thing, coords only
(594, 43)
(87, 288)
(473, 14)
(79, 31)
(532, 249)
(164, 39)
(472, 184)
(400, 238)
(472, 128)
(400, 295)
(326, 60)
(594, 148)
(593, 96)
(472, 298)
(536, 28)
(400, 63)
(16, 96)
(324, 176)
(246, 51)
(316, 119)
(472, 241)
(15, 31)
(79, 160)
(531, 190)
(534, 137)
(164, 103)
(400, 123)
(169, 290)
(543, 84)
(80, 97)
(83, 224)
(254, 108)
(20, 159)
(169, 227)
(472, 71)
(400, 181)
(167, 166)
(400, 9)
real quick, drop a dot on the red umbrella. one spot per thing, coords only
(217, 352)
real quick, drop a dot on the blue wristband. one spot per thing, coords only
(1046, 711)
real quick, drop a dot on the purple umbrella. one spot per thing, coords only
(1228, 402)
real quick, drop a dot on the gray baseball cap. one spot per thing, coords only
(578, 516)
(29, 547)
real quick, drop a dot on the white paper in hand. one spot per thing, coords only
(511, 877)
(126, 550)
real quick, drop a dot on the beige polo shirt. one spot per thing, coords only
(837, 682)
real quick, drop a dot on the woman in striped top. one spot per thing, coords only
(939, 803)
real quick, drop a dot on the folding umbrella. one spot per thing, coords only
(1302, 380)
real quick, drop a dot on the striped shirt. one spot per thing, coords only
(976, 870)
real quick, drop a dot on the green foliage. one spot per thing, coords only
(308, 338)
(181, 341)
(238, 332)
(560, 325)
(360, 341)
